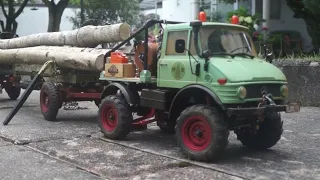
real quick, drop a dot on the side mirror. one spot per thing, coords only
(180, 46)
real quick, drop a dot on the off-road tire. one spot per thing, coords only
(164, 124)
(268, 134)
(210, 119)
(50, 111)
(13, 92)
(119, 108)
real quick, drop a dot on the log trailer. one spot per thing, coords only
(200, 80)
(70, 73)
(9, 80)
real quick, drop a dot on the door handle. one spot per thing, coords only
(163, 64)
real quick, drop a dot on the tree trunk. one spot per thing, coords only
(72, 58)
(55, 15)
(87, 36)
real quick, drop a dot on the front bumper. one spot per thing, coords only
(258, 111)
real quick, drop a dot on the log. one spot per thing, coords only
(86, 36)
(88, 61)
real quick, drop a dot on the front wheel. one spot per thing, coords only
(201, 133)
(115, 117)
(268, 134)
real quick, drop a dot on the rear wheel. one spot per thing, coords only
(268, 134)
(13, 92)
(201, 133)
(49, 101)
(115, 117)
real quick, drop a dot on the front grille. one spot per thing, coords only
(254, 90)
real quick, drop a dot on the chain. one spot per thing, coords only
(72, 106)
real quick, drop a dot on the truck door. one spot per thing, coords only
(174, 68)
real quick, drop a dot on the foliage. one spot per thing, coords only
(142, 20)
(107, 11)
(245, 18)
(216, 17)
(302, 57)
(230, 1)
(11, 14)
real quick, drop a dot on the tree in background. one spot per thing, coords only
(107, 11)
(55, 13)
(11, 14)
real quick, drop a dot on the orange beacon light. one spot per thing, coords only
(235, 19)
(202, 16)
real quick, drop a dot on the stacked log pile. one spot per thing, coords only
(68, 48)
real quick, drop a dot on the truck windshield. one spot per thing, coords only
(226, 40)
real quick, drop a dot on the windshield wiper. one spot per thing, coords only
(243, 54)
(223, 54)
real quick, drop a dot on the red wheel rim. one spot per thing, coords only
(109, 117)
(196, 133)
(44, 101)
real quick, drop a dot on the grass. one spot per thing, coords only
(302, 57)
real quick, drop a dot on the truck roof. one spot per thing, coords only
(187, 25)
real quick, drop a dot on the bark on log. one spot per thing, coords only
(86, 36)
(88, 61)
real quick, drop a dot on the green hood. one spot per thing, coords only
(244, 69)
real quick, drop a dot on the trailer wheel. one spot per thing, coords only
(115, 117)
(201, 133)
(49, 101)
(13, 92)
(268, 134)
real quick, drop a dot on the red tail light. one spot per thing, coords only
(222, 81)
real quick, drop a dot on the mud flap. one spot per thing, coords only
(26, 93)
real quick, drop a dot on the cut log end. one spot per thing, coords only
(124, 31)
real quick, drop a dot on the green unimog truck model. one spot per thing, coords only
(205, 81)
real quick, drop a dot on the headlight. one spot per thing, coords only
(242, 92)
(284, 91)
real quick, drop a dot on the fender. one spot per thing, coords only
(112, 88)
(195, 86)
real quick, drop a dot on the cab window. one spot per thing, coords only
(171, 40)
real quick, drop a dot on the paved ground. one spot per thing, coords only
(73, 148)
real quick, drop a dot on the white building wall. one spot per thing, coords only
(30, 22)
(178, 10)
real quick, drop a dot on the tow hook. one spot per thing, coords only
(266, 100)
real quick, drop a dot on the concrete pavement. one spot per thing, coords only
(74, 148)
